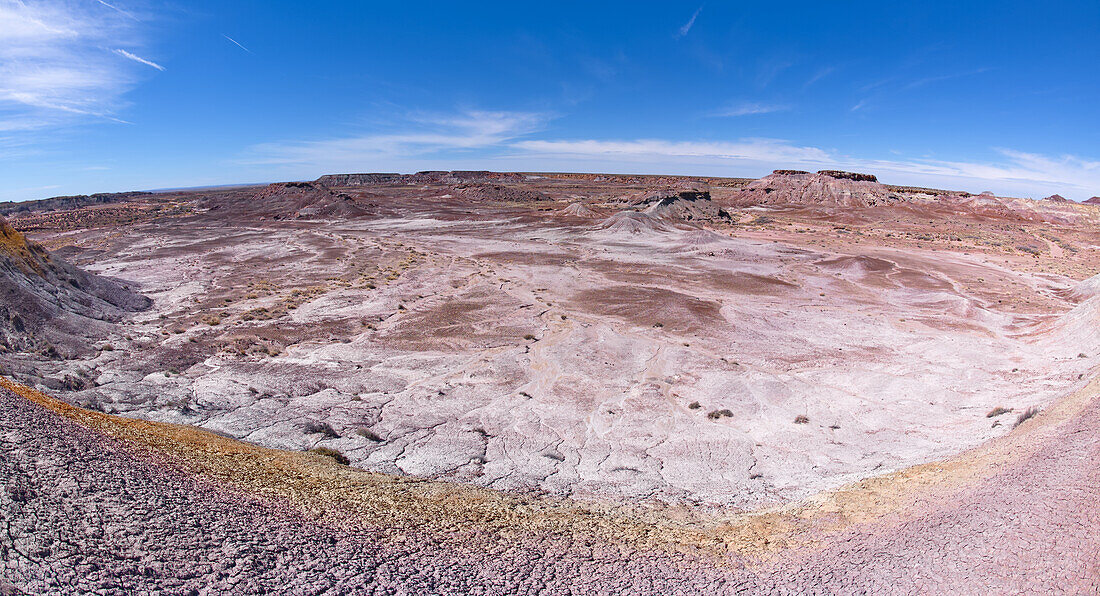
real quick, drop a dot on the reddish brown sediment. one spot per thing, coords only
(774, 385)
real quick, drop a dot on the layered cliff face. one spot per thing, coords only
(828, 187)
(677, 204)
(49, 305)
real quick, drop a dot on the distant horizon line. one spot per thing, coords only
(162, 190)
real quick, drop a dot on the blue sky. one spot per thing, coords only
(100, 95)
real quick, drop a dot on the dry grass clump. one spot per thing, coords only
(1028, 413)
(334, 454)
(324, 428)
(802, 419)
(997, 412)
(716, 414)
(368, 434)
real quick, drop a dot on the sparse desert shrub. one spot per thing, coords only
(694, 405)
(212, 320)
(528, 337)
(1028, 413)
(997, 412)
(716, 414)
(334, 454)
(324, 428)
(368, 434)
(801, 419)
(107, 348)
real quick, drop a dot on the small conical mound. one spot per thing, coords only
(626, 225)
(581, 210)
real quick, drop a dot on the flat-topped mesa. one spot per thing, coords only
(424, 177)
(360, 179)
(832, 188)
(71, 202)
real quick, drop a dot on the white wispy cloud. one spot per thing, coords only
(691, 23)
(817, 76)
(119, 10)
(749, 109)
(236, 43)
(510, 140)
(56, 65)
(422, 135)
(1027, 174)
(139, 59)
(744, 150)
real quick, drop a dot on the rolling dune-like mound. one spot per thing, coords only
(287, 200)
(1089, 288)
(627, 224)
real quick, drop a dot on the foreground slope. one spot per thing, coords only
(104, 503)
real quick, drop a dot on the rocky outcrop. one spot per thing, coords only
(692, 204)
(842, 175)
(335, 180)
(1057, 199)
(827, 188)
(1093, 201)
(49, 305)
